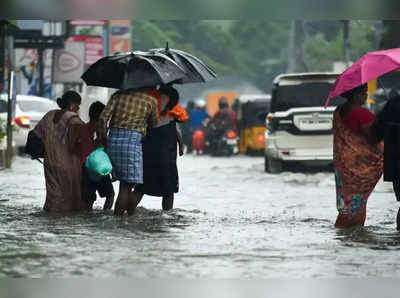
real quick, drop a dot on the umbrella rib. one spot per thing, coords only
(161, 55)
(158, 72)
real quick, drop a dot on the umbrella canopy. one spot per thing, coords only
(370, 66)
(196, 70)
(133, 70)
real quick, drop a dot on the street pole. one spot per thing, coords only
(10, 102)
(291, 48)
(346, 45)
(9, 151)
(106, 32)
(41, 71)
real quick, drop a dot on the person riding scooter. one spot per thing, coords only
(199, 115)
(199, 118)
(224, 119)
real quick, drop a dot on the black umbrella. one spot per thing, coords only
(133, 70)
(196, 70)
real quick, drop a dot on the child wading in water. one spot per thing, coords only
(87, 145)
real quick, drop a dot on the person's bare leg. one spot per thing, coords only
(134, 200)
(122, 200)
(168, 202)
(398, 220)
(109, 202)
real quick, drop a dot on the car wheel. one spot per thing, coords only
(273, 166)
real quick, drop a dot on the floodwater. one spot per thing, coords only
(230, 220)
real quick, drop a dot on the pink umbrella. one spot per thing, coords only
(370, 66)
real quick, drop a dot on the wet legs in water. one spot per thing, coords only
(123, 198)
(136, 197)
(168, 202)
(134, 200)
(109, 202)
(396, 188)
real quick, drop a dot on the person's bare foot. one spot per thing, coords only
(120, 207)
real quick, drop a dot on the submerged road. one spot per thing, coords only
(230, 220)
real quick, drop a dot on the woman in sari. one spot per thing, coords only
(58, 130)
(358, 160)
(160, 172)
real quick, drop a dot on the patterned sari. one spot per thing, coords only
(62, 166)
(358, 168)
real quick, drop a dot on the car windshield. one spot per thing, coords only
(36, 106)
(303, 95)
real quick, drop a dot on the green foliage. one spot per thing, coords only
(363, 38)
(390, 34)
(257, 49)
(319, 53)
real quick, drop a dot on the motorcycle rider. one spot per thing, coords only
(223, 120)
(199, 115)
(199, 118)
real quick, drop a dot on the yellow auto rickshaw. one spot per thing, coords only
(250, 109)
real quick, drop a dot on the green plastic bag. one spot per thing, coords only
(99, 164)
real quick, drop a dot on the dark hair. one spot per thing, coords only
(95, 110)
(68, 98)
(170, 91)
(349, 94)
(223, 103)
(173, 95)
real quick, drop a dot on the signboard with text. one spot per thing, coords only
(87, 22)
(94, 47)
(69, 63)
(120, 36)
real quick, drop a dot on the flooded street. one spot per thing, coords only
(230, 220)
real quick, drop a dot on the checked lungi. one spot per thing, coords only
(124, 148)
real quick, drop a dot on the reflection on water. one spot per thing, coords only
(233, 221)
(370, 237)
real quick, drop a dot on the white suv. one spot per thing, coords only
(299, 128)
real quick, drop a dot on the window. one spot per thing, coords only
(303, 95)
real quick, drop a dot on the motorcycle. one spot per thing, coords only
(223, 145)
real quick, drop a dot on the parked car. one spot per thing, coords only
(299, 128)
(28, 111)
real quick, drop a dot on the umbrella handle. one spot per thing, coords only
(383, 87)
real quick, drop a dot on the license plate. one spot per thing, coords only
(315, 121)
(231, 142)
(315, 124)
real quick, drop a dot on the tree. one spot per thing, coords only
(258, 50)
(390, 35)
